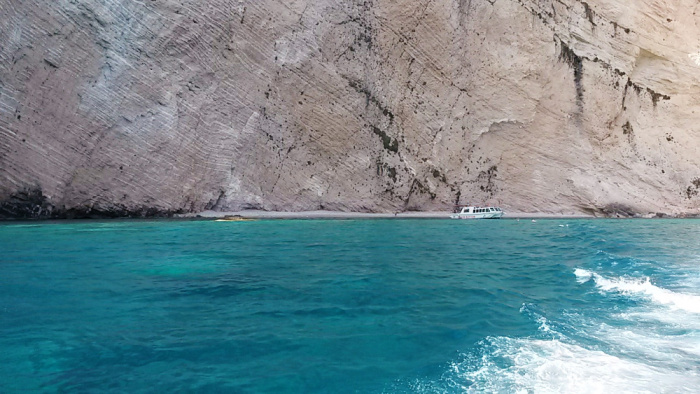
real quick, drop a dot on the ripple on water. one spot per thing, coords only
(350, 306)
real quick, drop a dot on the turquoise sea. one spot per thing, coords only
(350, 306)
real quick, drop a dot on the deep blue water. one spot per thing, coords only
(345, 306)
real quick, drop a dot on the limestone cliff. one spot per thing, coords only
(123, 107)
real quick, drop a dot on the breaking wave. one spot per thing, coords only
(642, 288)
(650, 347)
(553, 366)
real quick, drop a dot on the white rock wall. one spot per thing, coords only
(123, 107)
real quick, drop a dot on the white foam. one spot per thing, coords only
(650, 347)
(582, 276)
(669, 318)
(544, 325)
(643, 343)
(664, 333)
(644, 288)
(552, 366)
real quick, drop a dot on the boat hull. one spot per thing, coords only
(484, 215)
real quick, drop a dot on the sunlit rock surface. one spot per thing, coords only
(120, 107)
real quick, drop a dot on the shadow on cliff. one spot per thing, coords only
(33, 204)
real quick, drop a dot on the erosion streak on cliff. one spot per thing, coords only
(141, 108)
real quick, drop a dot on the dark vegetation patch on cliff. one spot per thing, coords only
(568, 56)
(655, 97)
(575, 61)
(487, 179)
(619, 210)
(438, 175)
(391, 145)
(31, 203)
(628, 130)
(383, 168)
(27, 204)
(613, 210)
(694, 189)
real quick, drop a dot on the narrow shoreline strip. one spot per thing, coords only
(256, 214)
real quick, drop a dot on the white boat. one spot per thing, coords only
(478, 213)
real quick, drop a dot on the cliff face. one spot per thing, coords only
(123, 107)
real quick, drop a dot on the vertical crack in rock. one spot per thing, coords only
(694, 189)
(215, 205)
(589, 13)
(568, 56)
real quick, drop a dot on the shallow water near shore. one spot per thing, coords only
(343, 306)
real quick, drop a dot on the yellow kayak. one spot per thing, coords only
(234, 219)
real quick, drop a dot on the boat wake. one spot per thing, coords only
(642, 288)
(554, 366)
(651, 347)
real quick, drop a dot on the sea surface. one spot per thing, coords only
(350, 306)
